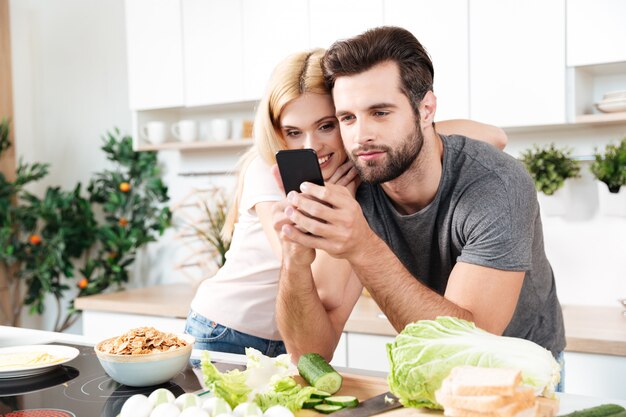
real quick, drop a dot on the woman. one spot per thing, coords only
(235, 309)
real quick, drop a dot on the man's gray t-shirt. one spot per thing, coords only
(485, 213)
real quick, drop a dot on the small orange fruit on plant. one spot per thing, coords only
(34, 239)
(124, 187)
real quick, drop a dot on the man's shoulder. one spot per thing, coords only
(477, 161)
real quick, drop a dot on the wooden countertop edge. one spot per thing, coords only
(136, 307)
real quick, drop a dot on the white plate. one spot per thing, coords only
(67, 353)
(614, 95)
(612, 107)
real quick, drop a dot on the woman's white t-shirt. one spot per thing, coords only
(242, 295)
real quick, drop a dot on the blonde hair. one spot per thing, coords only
(298, 74)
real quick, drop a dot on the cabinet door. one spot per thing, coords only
(337, 19)
(517, 62)
(154, 47)
(212, 45)
(596, 31)
(441, 27)
(368, 351)
(272, 29)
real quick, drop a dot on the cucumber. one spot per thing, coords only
(320, 394)
(342, 400)
(603, 410)
(312, 402)
(318, 373)
(327, 408)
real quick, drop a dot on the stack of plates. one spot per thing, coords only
(614, 101)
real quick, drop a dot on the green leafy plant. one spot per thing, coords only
(550, 167)
(45, 240)
(610, 167)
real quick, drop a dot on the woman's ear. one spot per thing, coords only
(427, 108)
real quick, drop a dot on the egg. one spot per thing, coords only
(165, 410)
(136, 406)
(161, 396)
(188, 400)
(215, 406)
(278, 411)
(247, 409)
(194, 411)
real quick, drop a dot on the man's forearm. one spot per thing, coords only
(402, 298)
(304, 324)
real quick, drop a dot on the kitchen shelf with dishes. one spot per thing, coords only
(598, 93)
(216, 127)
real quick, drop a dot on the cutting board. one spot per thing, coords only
(364, 387)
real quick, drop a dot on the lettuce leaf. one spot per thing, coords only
(230, 386)
(286, 392)
(425, 352)
(265, 381)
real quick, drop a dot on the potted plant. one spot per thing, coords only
(610, 168)
(550, 167)
(48, 241)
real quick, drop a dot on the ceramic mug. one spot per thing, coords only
(185, 130)
(154, 132)
(220, 129)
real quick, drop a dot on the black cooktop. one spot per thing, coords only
(81, 388)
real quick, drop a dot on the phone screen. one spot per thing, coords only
(297, 166)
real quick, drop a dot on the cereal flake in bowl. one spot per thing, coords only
(144, 356)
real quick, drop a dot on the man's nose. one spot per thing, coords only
(363, 132)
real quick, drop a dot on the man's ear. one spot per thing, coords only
(277, 178)
(427, 108)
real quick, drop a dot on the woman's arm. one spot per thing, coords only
(475, 130)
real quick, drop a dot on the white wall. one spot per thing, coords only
(70, 86)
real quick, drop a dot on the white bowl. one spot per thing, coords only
(614, 95)
(146, 370)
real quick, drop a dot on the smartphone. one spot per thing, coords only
(297, 166)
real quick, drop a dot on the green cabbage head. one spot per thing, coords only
(425, 352)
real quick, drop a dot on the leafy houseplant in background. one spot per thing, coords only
(610, 167)
(44, 240)
(549, 167)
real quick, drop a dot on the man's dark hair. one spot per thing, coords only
(378, 45)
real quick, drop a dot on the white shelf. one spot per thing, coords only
(618, 117)
(190, 146)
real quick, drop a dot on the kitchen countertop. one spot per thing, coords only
(354, 383)
(588, 329)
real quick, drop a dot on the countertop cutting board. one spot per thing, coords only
(364, 387)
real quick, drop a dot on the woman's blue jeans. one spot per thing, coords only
(213, 336)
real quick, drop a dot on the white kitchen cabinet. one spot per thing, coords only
(442, 28)
(596, 31)
(595, 375)
(212, 45)
(154, 48)
(368, 351)
(331, 20)
(272, 29)
(517, 62)
(340, 357)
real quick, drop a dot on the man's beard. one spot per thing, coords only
(398, 160)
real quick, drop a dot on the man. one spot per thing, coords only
(446, 225)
